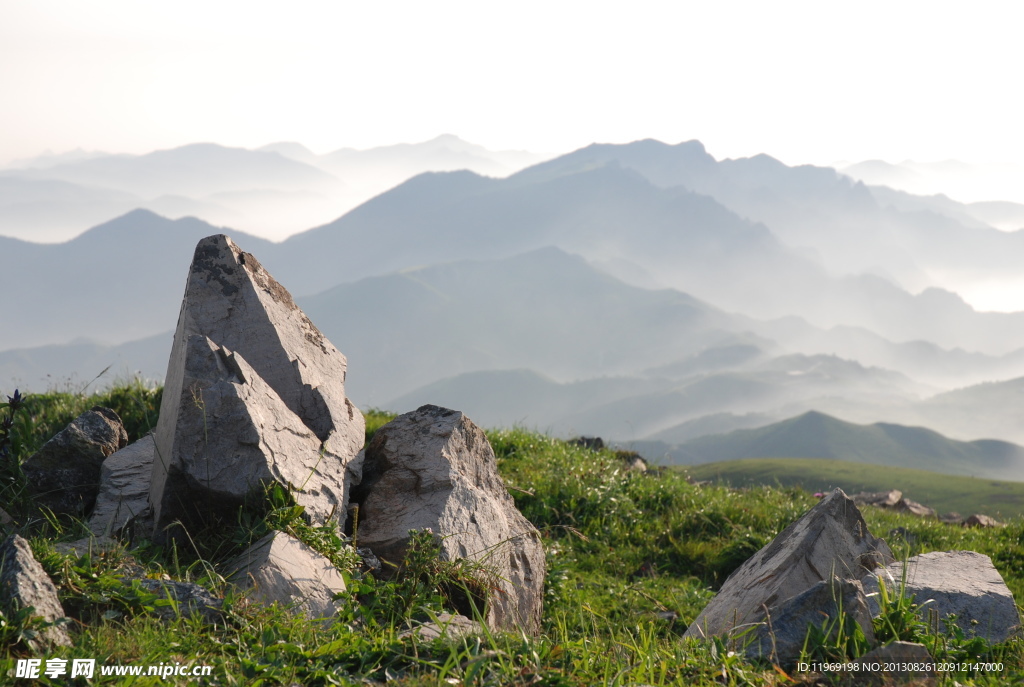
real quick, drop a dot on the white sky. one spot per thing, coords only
(803, 81)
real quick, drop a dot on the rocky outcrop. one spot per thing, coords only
(831, 539)
(783, 635)
(242, 344)
(64, 475)
(281, 569)
(963, 583)
(123, 499)
(24, 583)
(234, 436)
(434, 469)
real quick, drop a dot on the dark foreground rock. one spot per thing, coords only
(24, 583)
(64, 475)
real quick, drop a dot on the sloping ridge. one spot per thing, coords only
(816, 435)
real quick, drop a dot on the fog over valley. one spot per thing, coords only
(648, 292)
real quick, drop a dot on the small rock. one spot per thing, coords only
(447, 625)
(279, 568)
(23, 583)
(882, 499)
(952, 518)
(593, 443)
(905, 505)
(91, 545)
(979, 520)
(64, 475)
(189, 598)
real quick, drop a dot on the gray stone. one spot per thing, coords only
(964, 583)
(434, 469)
(64, 475)
(281, 569)
(123, 499)
(952, 518)
(91, 545)
(896, 655)
(232, 301)
(24, 583)
(447, 625)
(980, 520)
(188, 599)
(830, 539)
(882, 499)
(234, 437)
(905, 505)
(782, 635)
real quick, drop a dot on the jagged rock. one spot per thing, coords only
(895, 655)
(189, 598)
(914, 508)
(279, 568)
(231, 300)
(979, 520)
(882, 499)
(123, 499)
(235, 436)
(24, 583)
(964, 583)
(64, 475)
(783, 634)
(433, 468)
(447, 625)
(830, 539)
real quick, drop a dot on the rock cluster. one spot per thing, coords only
(825, 569)
(895, 500)
(255, 397)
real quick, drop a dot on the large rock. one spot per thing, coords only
(234, 437)
(279, 568)
(64, 475)
(833, 606)
(433, 468)
(231, 300)
(964, 583)
(124, 488)
(24, 583)
(830, 539)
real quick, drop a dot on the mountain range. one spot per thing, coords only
(645, 292)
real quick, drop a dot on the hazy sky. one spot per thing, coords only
(804, 81)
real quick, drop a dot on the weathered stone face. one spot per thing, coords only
(279, 568)
(64, 475)
(235, 436)
(124, 488)
(233, 302)
(433, 468)
(964, 583)
(23, 583)
(830, 539)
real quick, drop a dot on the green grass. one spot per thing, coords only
(632, 559)
(944, 493)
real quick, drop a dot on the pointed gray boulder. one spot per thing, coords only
(234, 437)
(433, 468)
(233, 301)
(831, 539)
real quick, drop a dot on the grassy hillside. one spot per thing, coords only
(632, 559)
(816, 435)
(944, 493)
